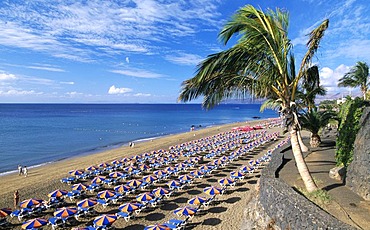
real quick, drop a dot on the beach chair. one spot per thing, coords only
(20, 214)
(178, 223)
(171, 226)
(55, 222)
(209, 201)
(104, 203)
(125, 215)
(155, 201)
(142, 207)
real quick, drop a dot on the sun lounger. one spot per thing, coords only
(68, 180)
(20, 214)
(104, 203)
(55, 222)
(125, 215)
(171, 226)
(178, 223)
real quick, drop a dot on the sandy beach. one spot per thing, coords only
(227, 213)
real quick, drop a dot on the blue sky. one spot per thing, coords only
(139, 51)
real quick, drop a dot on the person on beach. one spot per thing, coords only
(25, 171)
(16, 198)
(19, 170)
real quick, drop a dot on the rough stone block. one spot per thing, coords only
(337, 173)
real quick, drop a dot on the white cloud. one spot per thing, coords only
(73, 93)
(15, 92)
(142, 95)
(138, 73)
(7, 77)
(82, 30)
(329, 77)
(184, 59)
(114, 90)
(47, 68)
(67, 82)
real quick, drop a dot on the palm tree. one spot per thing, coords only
(313, 120)
(311, 88)
(261, 63)
(357, 76)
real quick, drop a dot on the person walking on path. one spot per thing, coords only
(16, 198)
(25, 171)
(19, 170)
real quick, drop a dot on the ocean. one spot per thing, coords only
(36, 134)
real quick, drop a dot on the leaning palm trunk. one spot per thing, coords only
(301, 164)
(304, 148)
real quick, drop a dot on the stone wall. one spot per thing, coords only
(358, 173)
(289, 209)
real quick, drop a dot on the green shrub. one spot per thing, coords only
(349, 116)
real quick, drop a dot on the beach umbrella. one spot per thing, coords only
(136, 157)
(204, 167)
(65, 212)
(58, 193)
(185, 211)
(30, 202)
(122, 188)
(144, 167)
(185, 177)
(197, 200)
(106, 219)
(104, 165)
(129, 207)
(225, 181)
(115, 174)
(160, 191)
(218, 162)
(134, 183)
(156, 227)
(212, 191)
(143, 197)
(149, 178)
(173, 183)
(86, 203)
(159, 173)
(224, 158)
(170, 169)
(98, 180)
(5, 211)
(78, 187)
(106, 194)
(196, 173)
(130, 168)
(245, 168)
(116, 162)
(92, 168)
(76, 172)
(34, 223)
(236, 174)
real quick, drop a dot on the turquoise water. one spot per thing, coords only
(34, 134)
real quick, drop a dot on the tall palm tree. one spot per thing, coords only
(357, 76)
(261, 63)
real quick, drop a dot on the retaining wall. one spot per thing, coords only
(288, 208)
